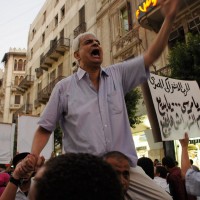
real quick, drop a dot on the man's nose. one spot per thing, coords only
(95, 42)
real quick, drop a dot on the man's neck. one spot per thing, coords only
(94, 75)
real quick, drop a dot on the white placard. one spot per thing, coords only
(177, 106)
(27, 126)
(6, 142)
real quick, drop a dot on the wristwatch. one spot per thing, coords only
(16, 182)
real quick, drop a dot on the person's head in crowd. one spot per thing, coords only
(76, 176)
(147, 165)
(155, 162)
(191, 162)
(19, 157)
(168, 162)
(121, 164)
(161, 171)
(4, 179)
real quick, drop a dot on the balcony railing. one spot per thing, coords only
(80, 29)
(123, 47)
(56, 50)
(15, 106)
(44, 94)
(26, 82)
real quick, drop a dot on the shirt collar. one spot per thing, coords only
(81, 72)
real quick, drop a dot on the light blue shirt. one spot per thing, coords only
(192, 182)
(95, 121)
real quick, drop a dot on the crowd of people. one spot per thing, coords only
(101, 160)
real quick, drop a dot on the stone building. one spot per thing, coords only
(14, 72)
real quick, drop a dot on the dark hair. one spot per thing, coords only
(162, 171)
(147, 166)
(191, 161)
(168, 161)
(118, 155)
(18, 158)
(78, 176)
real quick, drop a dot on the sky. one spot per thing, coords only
(15, 19)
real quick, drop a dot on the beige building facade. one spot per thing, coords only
(14, 71)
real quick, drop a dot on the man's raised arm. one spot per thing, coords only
(185, 162)
(169, 8)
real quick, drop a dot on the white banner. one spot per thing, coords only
(177, 106)
(6, 142)
(27, 126)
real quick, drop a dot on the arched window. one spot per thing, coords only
(21, 78)
(16, 80)
(24, 65)
(20, 65)
(15, 65)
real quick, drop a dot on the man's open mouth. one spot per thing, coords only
(95, 53)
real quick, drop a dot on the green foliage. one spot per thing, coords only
(184, 59)
(132, 100)
(57, 136)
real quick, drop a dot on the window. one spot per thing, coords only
(56, 20)
(177, 35)
(15, 65)
(43, 37)
(62, 12)
(21, 78)
(20, 65)
(124, 20)
(33, 33)
(82, 15)
(31, 53)
(44, 17)
(194, 26)
(16, 80)
(17, 99)
(24, 65)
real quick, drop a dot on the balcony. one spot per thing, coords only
(38, 72)
(37, 103)
(44, 94)
(123, 48)
(25, 109)
(54, 52)
(15, 106)
(80, 29)
(26, 82)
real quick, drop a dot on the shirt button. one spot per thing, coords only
(105, 125)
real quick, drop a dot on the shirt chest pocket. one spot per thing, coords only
(115, 103)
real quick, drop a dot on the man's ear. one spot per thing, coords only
(76, 55)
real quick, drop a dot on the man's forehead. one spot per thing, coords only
(118, 162)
